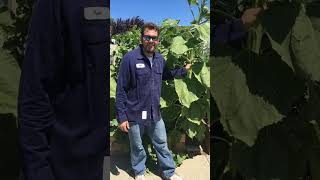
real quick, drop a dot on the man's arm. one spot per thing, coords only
(169, 74)
(228, 32)
(235, 30)
(121, 89)
(35, 112)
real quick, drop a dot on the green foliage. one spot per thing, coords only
(267, 93)
(179, 158)
(9, 82)
(125, 42)
(17, 31)
(202, 10)
(13, 34)
(10, 71)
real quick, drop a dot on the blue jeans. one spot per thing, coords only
(157, 133)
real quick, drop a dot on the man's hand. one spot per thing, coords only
(250, 16)
(188, 66)
(124, 126)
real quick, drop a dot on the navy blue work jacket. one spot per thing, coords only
(139, 86)
(229, 32)
(62, 103)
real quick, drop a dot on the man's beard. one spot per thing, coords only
(150, 48)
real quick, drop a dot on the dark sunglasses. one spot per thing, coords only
(148, 38)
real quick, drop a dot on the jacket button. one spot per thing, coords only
(90, 66)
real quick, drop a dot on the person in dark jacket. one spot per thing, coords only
(62, 103)
(138, 101)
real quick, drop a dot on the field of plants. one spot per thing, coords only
(267, 93)
(184, 102)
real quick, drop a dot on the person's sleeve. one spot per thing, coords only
(230, 31)
(35, 111)
(122, 89)
(169, 74)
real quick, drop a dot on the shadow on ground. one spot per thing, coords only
(122, 161)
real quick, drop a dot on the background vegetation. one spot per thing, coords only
(267, 93)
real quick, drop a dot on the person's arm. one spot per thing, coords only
(122, 89)
(230, 31)
(169, 74)
(235, 30)
(35, 111)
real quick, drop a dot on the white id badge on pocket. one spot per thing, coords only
(140, 65)
(144, 114)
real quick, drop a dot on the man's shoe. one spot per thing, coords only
(139, 177)
(175, 177)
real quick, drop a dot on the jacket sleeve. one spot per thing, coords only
(229, 32)
(169, 74)
(35, 111)
(122, 89)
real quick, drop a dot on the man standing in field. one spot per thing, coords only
(138, 101)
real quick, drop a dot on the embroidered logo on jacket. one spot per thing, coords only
(96, 13)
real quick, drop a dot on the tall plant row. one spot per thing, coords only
(267, 93)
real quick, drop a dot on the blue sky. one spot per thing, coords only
(152, 10)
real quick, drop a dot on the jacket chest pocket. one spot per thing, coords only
(157, 71)
(95, 35)
(140, 72)
(94, 39)
(95, 31)
(95, 22)
(143, 80)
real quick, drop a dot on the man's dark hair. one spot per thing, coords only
(149, 25)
